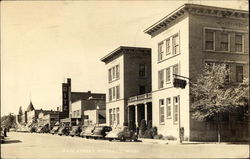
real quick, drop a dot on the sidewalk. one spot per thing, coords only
(165, 142)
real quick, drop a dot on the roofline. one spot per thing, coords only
(121, 48)
(182, 9)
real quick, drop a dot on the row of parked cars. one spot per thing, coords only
(96, 132)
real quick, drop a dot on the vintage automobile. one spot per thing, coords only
(88, 131)
(63, 130)
(83, 131)
(55, 129)
(43, 129)
(100, 132)
(122, 133)
(75, 131)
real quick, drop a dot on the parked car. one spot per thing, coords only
(100, 131)
(54, 129)
(88, 131)
(63, 130)
(75, 131)
(43, 129)
(83, 131)
(122, 133)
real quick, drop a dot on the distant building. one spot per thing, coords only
(50, 117)
(75, 103)
(129, 74)
(182, 43)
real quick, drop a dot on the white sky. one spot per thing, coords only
(46, 41)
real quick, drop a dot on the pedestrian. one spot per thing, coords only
(5, 132)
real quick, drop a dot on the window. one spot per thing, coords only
(161, 78)
(161, 103)
(175, 44)
(110, 116)
(224, 44)
(239, 73)
(175, 69)
(227, 78)
(110, 76)
(114, 73)
(238, 42)
(113, 90)
(117, 92)
(142, 89)
(176, 109)
(168, 51)
(209, 39)
(168, 75)
(114, 119)
(117, 115)
(142, 70)
(160, 51)
(168, 107)
(117, 71)
(110, 94)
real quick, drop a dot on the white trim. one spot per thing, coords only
(225, 61)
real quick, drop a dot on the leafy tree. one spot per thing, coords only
(214, 95)
(8, 121)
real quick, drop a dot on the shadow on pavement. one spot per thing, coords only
(11, 141)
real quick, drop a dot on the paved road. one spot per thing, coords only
(27, 145)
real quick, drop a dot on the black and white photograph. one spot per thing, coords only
(124, 79)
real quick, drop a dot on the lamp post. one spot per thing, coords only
(97, 115)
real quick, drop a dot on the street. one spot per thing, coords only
(33, 145)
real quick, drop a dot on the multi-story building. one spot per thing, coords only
(73, 104)
(182, 43)
(87, 111)
(129, 74)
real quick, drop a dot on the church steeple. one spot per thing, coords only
(30, 107)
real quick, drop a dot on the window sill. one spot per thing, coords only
(226, 52)
(169, 118)
(114, 80)
(168, 58)
(162, 123)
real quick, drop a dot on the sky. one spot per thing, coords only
(44, 42)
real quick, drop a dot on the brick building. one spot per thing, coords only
(182, 43)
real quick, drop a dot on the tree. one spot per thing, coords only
(214, 95)
(8, 121)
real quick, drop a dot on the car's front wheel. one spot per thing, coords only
(110, 139)
(122, 139)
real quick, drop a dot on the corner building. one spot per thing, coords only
(129, 74)
(182, 43)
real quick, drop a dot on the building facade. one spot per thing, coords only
(182, 43)
(129, 74)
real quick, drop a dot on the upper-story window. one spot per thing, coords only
(239, 42)
(175, 69)
(224, 43)
(114, 73)
(168, 75)
(209, 39)
(161, 78)
(142, 70)
(114, 93)
(239, 73)
(176, 44)
(160, 51)
(168, 48)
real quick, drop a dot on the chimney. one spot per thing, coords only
(69, 81)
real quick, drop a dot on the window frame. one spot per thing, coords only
(168, 108)
(237, 73)
(161, 113)
(222, 42)
(176, 45)
(162, 81)
(144, 70)
(176, 107)
(160, 51)
(168, 75)
(205, 39)
(168, 47)
(242, 42)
